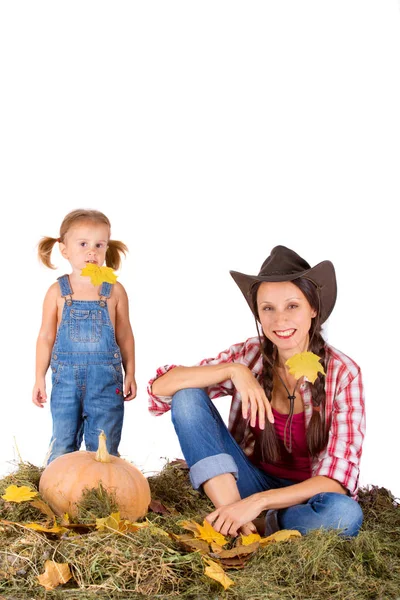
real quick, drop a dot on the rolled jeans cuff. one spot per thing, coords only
(211, 466)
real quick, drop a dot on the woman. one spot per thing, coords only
(293, 447)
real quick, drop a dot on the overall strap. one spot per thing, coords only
(105, 292)
(66, 289)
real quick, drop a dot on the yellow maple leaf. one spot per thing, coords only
(54, 574)
(204, 532)
(207, 532)
(305, 364)
(113, 522)
(38, 527)
(99, 274)
(280, 536)
(250, 539)
(15, 493)
(215, 571)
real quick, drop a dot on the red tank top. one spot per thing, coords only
(297, 465)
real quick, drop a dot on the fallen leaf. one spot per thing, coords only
(179, 462)
(56, 529)
(215, 571)
(216, 547)
(280, 536)
(114, 523)
(235, 563)
(157, 507)
(15, 493)
(250, 539)
(205, 532)
(99, 274)
(190, 525)
(238, 551)
(43, 507)
(305, 364)
(54, 574)
(192, 544)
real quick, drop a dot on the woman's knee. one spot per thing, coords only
(342, 512)
(188, 404)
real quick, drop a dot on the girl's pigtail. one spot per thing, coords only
(114, 252)
(45, 248)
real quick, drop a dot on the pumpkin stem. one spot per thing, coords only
(102, 454)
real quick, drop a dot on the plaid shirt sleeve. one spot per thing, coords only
(341, 458)
(244, 353)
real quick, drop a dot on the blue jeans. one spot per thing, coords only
(83, 403)
(210, 450)
(87, 380)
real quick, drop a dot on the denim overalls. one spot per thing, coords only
(87, 383)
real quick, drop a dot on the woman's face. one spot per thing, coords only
(285, 315)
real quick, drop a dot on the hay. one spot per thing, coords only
(150, 564)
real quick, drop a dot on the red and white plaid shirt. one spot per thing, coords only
(344, 409)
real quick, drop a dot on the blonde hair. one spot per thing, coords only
(115, 248)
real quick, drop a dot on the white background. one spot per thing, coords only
(208, 132)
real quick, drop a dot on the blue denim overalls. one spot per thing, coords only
(87, 383)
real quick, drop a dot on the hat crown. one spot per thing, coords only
(283, 261)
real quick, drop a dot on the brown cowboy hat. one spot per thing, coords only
(284, 264)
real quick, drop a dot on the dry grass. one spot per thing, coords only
(148, 564)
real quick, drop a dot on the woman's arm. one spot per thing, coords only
(181, 378)
(125, 340)
(228, 519)
(44, 344)
(254, 400)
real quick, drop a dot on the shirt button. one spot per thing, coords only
(55, 356)
(118, 368)
(116, 355)
(54, 370)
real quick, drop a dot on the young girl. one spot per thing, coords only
(293, 447)
(84, 337)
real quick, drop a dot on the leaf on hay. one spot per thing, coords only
(216, 547)
(15, 493)
(54, 574)
(280, 536)
(98, 275)
(250, 539)
(157, 507)
(305, 364)
(205, 532)
(214, 571)
(43, 507)
(238, 551)
(56, 529)
(114, 523)
(191, 544)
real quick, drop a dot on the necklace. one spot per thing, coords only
(288, 425)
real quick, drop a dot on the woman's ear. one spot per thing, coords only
(313, 313)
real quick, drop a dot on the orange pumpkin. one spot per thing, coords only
(63, 481)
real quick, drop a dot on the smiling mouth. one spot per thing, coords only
(91, 262)
(285, 334)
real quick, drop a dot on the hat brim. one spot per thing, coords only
(322, 275)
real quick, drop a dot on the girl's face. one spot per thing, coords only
(285, 316)
(85, 242)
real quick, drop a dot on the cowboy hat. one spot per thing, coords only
(284, 264)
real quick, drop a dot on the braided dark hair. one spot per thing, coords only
(317, 431)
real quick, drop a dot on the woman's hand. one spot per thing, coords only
(231, 518)
(252, 394)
